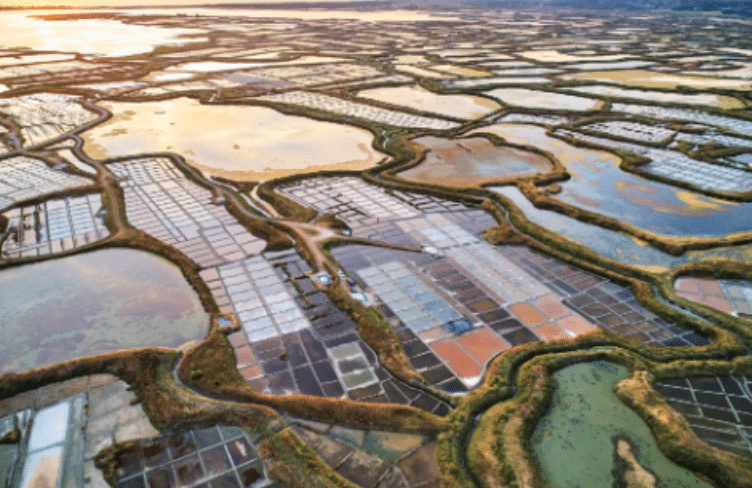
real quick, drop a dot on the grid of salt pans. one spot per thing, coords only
(359, 110)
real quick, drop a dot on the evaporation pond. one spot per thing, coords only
(574, 441)
(473, 160)
(598, 185)
(94, 303)
(245, 143)
(102, 37)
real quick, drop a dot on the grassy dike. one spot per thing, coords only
(276, 239)
(286, 207)
(284, 452)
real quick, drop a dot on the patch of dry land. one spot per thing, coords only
(651, 79)
(237, 142)
(472, 161)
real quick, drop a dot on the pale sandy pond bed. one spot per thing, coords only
(653, 79)
(471, 161)
(522, 97)
(244, 143)
(89, 36)
(417, 98)
(710, 99)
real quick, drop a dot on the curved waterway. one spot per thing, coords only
(94, 303)
(589, 438)
(608, 243)
(612, 244)
(598, 185)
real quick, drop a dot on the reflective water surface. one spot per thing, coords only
(245, 143)
(94, 303)
(598, 185)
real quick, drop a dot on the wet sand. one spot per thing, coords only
(472, 161)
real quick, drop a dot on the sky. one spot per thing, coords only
(123, 3)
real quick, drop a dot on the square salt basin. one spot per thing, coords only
(575, 324)
(245, 313)
(251, 372)
(458, 360)
(50, 426)
(244, 356)
(261, 334)
(350, 365)
(411, 314)
(550, 332)
(433, 334)
(527, 314)
(256, 324)
(743, 307)
(718, 303)
(447, 315)
(710, 287)
(483, 344)
(345, 351)
(356, 380)
(421, 323)
(237, 339)
(482, 306)
(520, 336)
(550, 306)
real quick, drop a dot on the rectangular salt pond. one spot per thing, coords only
(42, 468)
(50, 426)
(356, 380)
